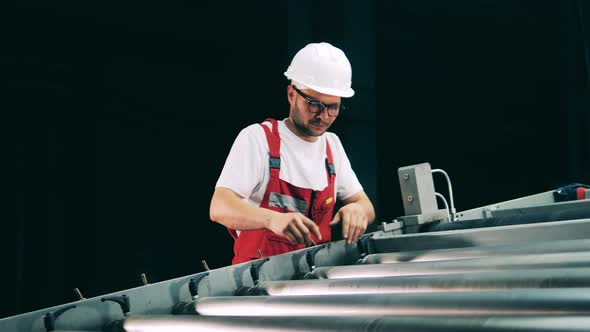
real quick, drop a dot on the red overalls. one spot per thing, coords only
(282, 196)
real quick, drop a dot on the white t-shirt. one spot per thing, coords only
(303, 164)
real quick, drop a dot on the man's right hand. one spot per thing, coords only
(294, 226)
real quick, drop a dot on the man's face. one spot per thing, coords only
(307, 123)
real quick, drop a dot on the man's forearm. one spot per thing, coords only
(230, 210)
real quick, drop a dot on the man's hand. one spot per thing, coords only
(294, 226)
(354, 221)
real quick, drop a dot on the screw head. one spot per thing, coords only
(406, 176)
(410, 198)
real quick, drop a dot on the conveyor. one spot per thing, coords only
(482, 264)
(338, 324)
(471, 281)
(480, 251)
(515, 302)
(518, 265)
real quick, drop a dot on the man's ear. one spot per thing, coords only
(290, 94)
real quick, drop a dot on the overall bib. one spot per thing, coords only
(284, 197)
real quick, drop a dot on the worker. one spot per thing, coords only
(279, 185)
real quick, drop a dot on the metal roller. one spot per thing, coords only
(513, 279)
(550, 302)
(339, 324)
(481, 251)
(484, 264)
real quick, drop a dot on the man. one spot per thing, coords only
(277, 190)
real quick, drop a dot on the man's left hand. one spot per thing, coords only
(354, 221)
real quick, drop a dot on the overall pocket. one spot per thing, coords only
(275, 245)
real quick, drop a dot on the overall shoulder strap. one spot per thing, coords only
(274, 146)
(331, 170)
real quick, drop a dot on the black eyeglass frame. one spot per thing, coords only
(319, 105)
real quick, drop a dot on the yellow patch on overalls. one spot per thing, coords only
(329, 200)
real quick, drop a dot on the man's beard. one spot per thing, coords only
(302, 127)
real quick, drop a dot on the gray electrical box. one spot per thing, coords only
(417, 189)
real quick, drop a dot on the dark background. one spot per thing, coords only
(118, 118)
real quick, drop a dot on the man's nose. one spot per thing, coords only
(323, 115)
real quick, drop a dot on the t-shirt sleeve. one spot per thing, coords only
(347, 184)
(243, 169)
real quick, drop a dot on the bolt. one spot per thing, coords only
(410, 198)
(79, 294)
(144, 279)
(205, 265)
(406, 176)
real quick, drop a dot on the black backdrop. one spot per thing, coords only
(119, 116)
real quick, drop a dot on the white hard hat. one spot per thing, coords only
(323, 68)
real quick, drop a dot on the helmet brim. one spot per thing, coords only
(349, 92)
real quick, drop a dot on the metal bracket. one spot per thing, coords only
(364, 245)
(122, 301)
(310, 256)
(417, 188)
(395, 227)
(255, 269)
(50, 317)
(412, 223)
(193, 284)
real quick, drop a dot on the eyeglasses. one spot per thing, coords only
(316, 107)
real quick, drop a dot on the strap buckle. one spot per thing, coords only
(274, 162)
